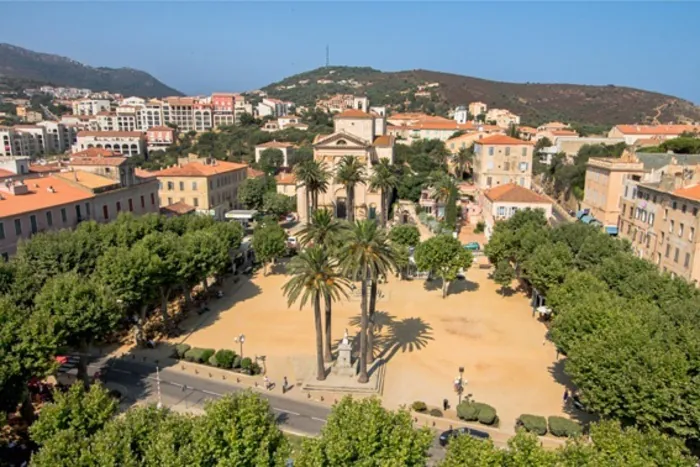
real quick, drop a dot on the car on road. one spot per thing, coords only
(446, 436)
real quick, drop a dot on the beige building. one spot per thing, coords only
(503, 118)
(361, 135)
(632, 133)
(286, 184)
(501, 202)
(500, 160)
(287, 150)
(208, 185)
(604, 183)
(127, 143)
(662, 222)
(477, 108)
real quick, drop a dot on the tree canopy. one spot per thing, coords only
(443, 256)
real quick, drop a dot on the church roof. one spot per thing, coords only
(353, 113)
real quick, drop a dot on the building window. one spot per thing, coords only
(18, 227)
(665, 214)
(675, 256)
(491, 151)
(105, 212)
(170, 201)
(651, 219)
(695, 211)
(671, 227)
(524, 152)
(680, 230)
(182, 186)
(675, 205)
(663, 235)
(624, 208)
(171, 186)
(64, 215)
(119, 206)
(658, 258)
(683, 208)
(501, 211)
(143, 202)
(49, 218)
(194, 186)
(691, 234)
(32, 223)
(195, 202)
(87, 210)
(668, 250)
(153, 199)
(686, 263)
(77, 212)
(508, 151)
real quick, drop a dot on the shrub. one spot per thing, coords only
(419, 406)
(533, 424)
(181, 350)
(212, 361)
(246, 363)
(255, 369)
(435, 412)
(480, 227)
(560, 426)
(198, 355)
(207, 354)
(467, 411)
(486, 413)
(224, 358)
(236, 362)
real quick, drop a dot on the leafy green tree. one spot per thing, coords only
(548, 266)
(405, 234)
(251, 193)
(402, 259)
(465, 450)
(350, 173)
(503, 274)
(271, 159)
(316, 278)
(277, 204)
(463, 159)
(443, 256)
(366, 255)
(84, 310)
(383, 179)
(525, 450)
(362, 432)
(269, 242)
(83, 411)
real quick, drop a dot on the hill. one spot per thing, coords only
(22, 67)
(535, 103)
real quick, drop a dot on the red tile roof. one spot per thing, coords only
(512, 193)
(177, 209)
(6, 173)
(384, 141)
(107, 161)
(656, 129)
(43, 193)
(111, 134)
(45, 168)
(690, 192)
(160, 128)
(141, 173)
(252, 173)
(353, 113)
(503, 140)
(94, 152)
(200, 169)
(275, 144)
(284, 178)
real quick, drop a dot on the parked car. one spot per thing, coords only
(449, 434)
(472, 246)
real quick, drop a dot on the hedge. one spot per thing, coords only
(419, 406)
(473, 411)
(181, 350)
(224, 358)
(435, 412)
(246, 363)
(198, 355)
(533, 423)
(236, 362)
(560, 426)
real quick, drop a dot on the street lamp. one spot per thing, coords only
(459, 385)
(241, 340)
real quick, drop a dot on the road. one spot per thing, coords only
(557, 218)
(185, 392)
(50, 115)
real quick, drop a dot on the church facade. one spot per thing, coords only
(359, 133)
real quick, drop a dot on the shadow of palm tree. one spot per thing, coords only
(406, 335)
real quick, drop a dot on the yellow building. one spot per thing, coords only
(500, 159)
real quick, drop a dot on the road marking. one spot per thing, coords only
(211, 393)
(286, 411)
(318, 419)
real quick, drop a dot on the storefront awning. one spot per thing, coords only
(586, 218)
(611, 229)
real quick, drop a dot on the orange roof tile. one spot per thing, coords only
(99, 160)
(564, 133)
(160, 128)
(200, 169)
(87, 179)
(383, 141)
(513, 193)
(503, 139)
(177, 209)
(6, 173)
(691, 192)
(111, 134)
(353, 113)
(40, 197)
(656, 129)
(141, 173)
(45, 168)
(275, 144)
(527, 129)
(252, 173)
(94, 152)
(284, 178)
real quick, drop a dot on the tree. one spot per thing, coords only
(313, 176)
(384, 180)
(349, 174)
(84, 310)
(366, 255)
(548, 266)
(251, 193)
(83, 411)
(513, 131)
(503, 275)
(315, 277)
(462, 159)
(362, 432)
(466, 450)
(269, 242)
(271, 159)
(277, 204)
(405, 234)
(444, 256)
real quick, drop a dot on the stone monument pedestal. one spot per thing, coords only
(343, 365)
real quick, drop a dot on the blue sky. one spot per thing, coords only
(199, 47)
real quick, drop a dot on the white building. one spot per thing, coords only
(501, 202)
(461, 114)
(61, 136)
(127, 143)
(90, 106)
(274, 108)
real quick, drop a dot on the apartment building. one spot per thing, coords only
(269, 107)
(662, 222)
(25, 140)
(159, 137)
(502, 202)
(477, 108)
(224, 108)
(500, 159)
(208, 185)
(502, 118)
(286, 183)
(127, 143)
(91, 106)
(461, 114)
(61, 137)
(436, 128)
(342, 102)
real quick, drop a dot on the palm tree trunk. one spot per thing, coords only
(320, 367)
(364, 377)
(370, 327)
(328, 355)
(385, 212)
(308, 213)
(351, 203)
(314, 201)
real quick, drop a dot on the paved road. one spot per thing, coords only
(138, 382)
(558, 218)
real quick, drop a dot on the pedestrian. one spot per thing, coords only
(267, 383)
(284, 385)
(566, 396)
(445, 404)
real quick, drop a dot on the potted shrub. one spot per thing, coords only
(532, 423)
(560, 426)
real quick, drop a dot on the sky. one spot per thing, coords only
(199, 47)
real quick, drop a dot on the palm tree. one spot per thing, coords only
(365, 255)
(442, 189)
(324, 231)
(350, 173)
(383, 179)
(313, 176)
(315, 276)
(462, 160)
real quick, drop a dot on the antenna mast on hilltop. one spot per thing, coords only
(328, 56)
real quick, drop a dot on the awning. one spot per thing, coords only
(611, 229)
(586, 218)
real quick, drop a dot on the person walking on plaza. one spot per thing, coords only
(284, 385)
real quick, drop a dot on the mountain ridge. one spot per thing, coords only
(18, 64)
(534, 102)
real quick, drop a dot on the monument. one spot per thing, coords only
(343, 365)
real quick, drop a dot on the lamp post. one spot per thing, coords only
(459, 385)
(241, 340)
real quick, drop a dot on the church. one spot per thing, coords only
(359, 132)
